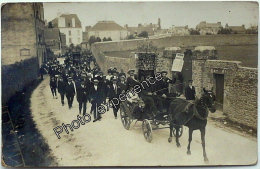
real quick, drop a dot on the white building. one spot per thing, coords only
(70, 25)
(108, 29)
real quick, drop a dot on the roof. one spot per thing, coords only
(68, 19)
(237, 28)
(107, 26)
(52, 33)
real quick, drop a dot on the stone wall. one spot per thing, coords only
(240, 87)
(23, 46)
(181, 41)
(16, 76)
(105, 62)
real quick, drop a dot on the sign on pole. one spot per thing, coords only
(178, 62)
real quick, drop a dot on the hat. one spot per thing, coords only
(131, 70)
(69, 78)
(164, 72)
(114, 79)
(95, 81)
(56, 75)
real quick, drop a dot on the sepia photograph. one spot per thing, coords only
(129, 83)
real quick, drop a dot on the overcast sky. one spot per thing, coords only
(170, 13)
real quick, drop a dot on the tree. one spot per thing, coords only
(143, 34)
(131, 37)
(194, 32)
(104, 39)
(91, 40)
(109, 39)
(98, 39)
(224, 31)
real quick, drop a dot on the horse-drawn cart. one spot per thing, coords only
(137, 111)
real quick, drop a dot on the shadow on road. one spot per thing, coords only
(22, 144)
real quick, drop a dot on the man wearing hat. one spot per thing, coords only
(162, 85)
(190, 92)
(114, 91)
(131, 81)
(61, 89)
(122, 83)
(70, 91)
(109, 72)
(82, 97)
(96, 99)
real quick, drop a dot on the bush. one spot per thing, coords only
(143, 34)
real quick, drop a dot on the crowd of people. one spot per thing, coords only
(85, 81)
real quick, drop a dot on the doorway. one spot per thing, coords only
(219, 78)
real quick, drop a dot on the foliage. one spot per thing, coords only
(251, 31)
(194, 32)
(131, 37)
(109, 39)
(104, 39)
(143, 34)
(93, 39)
(225, 31)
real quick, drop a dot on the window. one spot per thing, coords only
(96, 34)
(68, 24)
(78, 32)
(70, 40)
(69, 32)
(78, 40)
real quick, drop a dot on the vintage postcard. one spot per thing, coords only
(127, 83)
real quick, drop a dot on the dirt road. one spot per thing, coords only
(107, 143)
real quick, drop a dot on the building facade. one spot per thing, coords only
(149, 28)
(53, 40)
(70, 25)
(209, 28)
(236, 29)
(23, 45)
(106, 29)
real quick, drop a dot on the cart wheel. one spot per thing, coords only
(147, 130)
(125, 119)
(180, 131)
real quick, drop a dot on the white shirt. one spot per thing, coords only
(95, 87)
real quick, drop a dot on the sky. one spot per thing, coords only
(170, 13)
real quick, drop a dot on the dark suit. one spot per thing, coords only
(62, 90)
(114, 93)
(70, 93)
(96, 100)
(130, 82)
(190, 93)
(162, 86)
(82, 98)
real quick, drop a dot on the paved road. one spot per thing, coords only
(107, 143)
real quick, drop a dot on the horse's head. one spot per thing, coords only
(209, 99)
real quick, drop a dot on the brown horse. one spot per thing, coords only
(193, 115)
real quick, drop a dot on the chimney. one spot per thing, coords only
(126, 26)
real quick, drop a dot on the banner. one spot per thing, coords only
(178, 62)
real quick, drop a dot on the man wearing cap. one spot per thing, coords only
(114, 91)
(70, 91)
(53, 86)
(96, 99)
(190, 92)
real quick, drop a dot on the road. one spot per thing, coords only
(107, 143)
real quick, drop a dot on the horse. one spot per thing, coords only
(193, 115)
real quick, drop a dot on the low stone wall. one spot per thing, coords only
(240, 87)
(16, 76)
(105, 62)
(181, 41)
